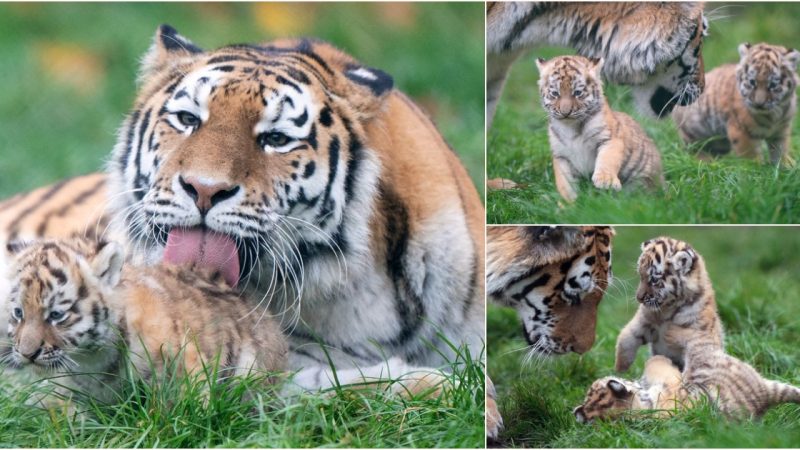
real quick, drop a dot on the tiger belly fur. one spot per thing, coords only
(76, 310)
(656, 47)
(746, 104)
(354, 222)
(587, 138)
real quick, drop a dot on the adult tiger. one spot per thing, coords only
(555, 278)
(305, 178)
(656, 47)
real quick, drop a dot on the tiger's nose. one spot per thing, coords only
(31, 353)
(207, 193)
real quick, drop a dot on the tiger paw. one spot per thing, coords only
(424, 383)
(787, 162)
(606, 180)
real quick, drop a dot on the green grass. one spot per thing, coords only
(173, 412)
(753, 270)
(727, 190)
(54, 128)
(56, 125)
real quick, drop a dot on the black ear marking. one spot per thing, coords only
(16, 246)
(617, 388)
(378, 81)
(173, 41)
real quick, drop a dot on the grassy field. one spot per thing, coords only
(727, 190)
(754, 275)
(70, 69)
(69, 72)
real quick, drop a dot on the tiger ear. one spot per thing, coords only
(646, 243)
(107, 263)
(684, 260)
(793, 57)
(580, 415)
(540, 64)
(17, 246)
(596, 66)
(744, 48)
(618, 389)
(168, 46)
(366, 88)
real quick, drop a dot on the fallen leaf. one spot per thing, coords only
(71, 65)
(497, 184)
(398, 14)
(284, 19)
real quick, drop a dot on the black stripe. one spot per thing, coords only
(333, 165)
(354, 157)
(13, 227)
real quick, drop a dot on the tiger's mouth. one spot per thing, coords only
(208, 249)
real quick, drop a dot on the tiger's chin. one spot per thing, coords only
(657, 102)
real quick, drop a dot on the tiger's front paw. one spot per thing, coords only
(606, 180)
(494, 421)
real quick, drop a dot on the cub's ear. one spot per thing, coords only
(646, 244)
(367, 88)
(580, 416)
(684, 260)
(168, 46)
(107, 263)
(540, 64)
(596, 66)
(793, 57)
(618, 389)
(744, 48)
(16, 246)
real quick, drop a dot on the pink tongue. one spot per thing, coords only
(204, 248)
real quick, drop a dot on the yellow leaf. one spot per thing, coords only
(71, 65)
(400, 15)
(284, 19)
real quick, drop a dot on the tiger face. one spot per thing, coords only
(57, 307)
(245, 155)
(570, 87)
(606, 398)
(558, 303)
(668, 269)
(681, 80)
(766, 75)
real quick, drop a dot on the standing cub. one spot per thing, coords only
(677, 305)
(587, 138)
(746, 104)
(74, 307)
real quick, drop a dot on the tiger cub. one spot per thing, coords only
(74, 309)
(586, 136)
(746, 104)
(659, 389)
(674, 293)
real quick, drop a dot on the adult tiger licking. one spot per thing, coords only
(309, 182)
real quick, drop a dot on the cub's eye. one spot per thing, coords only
(188, 119)
(577, 93)
(554, 93)
(273, 139)
(752, 82)
(17, 313)
(55, 316)
(773, 85)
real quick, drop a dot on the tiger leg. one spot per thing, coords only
(628, 343)
(779, 150)
(497, 67)
(565, 178)
(741, 143)
(494, 422)
(609, 161)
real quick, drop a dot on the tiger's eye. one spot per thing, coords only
(55, 315)
(188, 119)
(752, 82)
(577, 93)
(18, 313)
(273, 139)
(554, 93)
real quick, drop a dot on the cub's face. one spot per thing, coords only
(665, 268)
(570, 87)
(57, 310)
(766, 75)
(607, 398)
(249, 153)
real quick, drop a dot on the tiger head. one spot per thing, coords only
(558, 302)
(671, 273)
(57, 307)
(681, 78)
(570, 87)
(245, 155)
(766, 75)
(607, 398)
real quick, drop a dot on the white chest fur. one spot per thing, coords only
(578, 142)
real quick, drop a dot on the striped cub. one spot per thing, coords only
(745, 105)
(74, 308)
(587, 138)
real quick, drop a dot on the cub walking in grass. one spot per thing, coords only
(746, 104)
(74, 307)
(678, 317)
(587, 138)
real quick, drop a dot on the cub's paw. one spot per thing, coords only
(606, 180)
(422, 383)
(787, 162)
(494, 421)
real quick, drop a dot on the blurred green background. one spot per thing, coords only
(726, 190)
(68, 70)
(754, 272)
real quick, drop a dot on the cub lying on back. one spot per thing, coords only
(675, 293)
(72, 304)
(659, 389)
(586, 136)
(746, 104)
